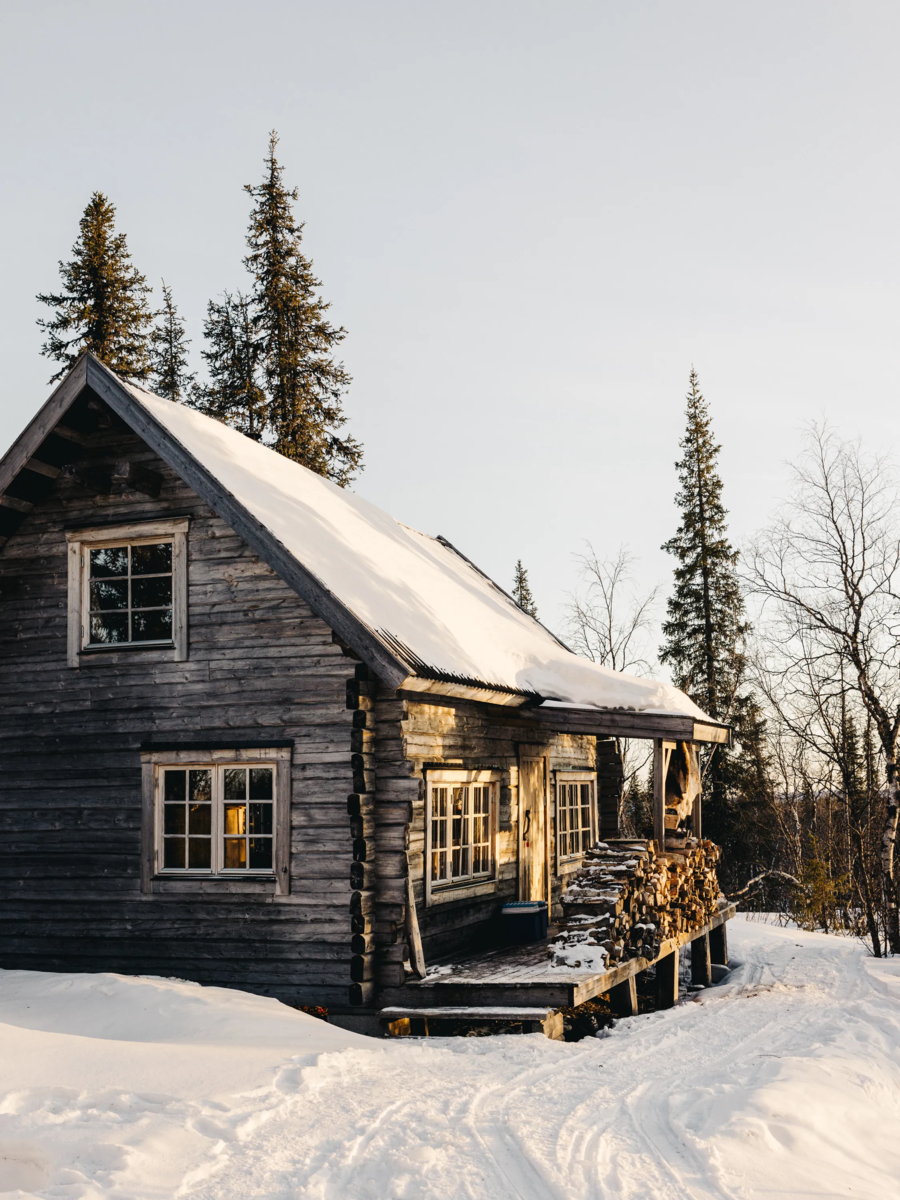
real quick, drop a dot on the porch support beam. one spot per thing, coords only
(667, 980)
(623, 998)
(701, 971)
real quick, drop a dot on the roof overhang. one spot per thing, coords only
(544, 718)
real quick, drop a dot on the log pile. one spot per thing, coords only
(627, 897)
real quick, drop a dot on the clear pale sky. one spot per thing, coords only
(530, 218)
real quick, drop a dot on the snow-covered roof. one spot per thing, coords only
(430, 606)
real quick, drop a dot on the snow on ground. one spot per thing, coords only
(783, 1081)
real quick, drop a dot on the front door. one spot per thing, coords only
(532, 826)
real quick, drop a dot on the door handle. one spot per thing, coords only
(527, 824)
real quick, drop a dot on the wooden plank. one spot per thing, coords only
(667, 980)
(623, 998)
(718, 945)
(701, 972)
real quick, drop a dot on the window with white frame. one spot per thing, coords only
(128, 593)
(217, 818)
(460, 827)
(574, 814)
(218, 813)
(127, 588)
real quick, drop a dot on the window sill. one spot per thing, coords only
(462, 891)
(118, 647)
(255, 876)
(213, 885)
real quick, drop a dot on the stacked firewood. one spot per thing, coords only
(627, 898)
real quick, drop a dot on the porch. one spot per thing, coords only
(519, 984)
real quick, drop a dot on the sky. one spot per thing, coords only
(532, 220)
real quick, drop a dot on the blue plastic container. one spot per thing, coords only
(524, 921)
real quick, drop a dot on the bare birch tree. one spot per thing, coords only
(610, 622)
(829, 571)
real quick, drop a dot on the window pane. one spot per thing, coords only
(174, 852)
(152, 626)
(155, 592)
(200, 819)
(260, 818)
(155, 559)
(261, 783)
(109, 594)
(261, 853)
(201, 786)
(111, 560)
(235, 783)
(199, 853)
(109, 629)
(235, 852)
(235, 818)
(174, 786)
(174, 820)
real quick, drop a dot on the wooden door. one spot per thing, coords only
(533, 876)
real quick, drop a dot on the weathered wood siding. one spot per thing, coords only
(260, 665)
(413, 733)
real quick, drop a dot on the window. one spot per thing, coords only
(574, 814)
(129, 593)
(221, 813)
(460, 827)
(128, 588)
(217, 818)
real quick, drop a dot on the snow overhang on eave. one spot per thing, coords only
(558, 717)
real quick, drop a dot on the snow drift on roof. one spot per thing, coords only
(407, 587)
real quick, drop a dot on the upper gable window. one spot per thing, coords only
(128, 588)
(129, 593)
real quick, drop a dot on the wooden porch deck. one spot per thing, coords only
(521, 977)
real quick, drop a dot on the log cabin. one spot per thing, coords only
(258, 734)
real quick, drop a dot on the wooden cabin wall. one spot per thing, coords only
(413, 733)
(260, 666)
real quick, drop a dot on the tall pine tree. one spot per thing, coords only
(705, 633)
(103, 305)
(234, 393)
(304, 384)
(521, 591)
(170, 376)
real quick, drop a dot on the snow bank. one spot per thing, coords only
(783, 1081)
(401, 582)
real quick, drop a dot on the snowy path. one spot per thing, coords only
(784, 1081)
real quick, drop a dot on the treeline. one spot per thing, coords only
(270, 352)
(805, 801)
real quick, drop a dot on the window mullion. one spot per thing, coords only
(216, 824)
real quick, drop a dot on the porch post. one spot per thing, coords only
(700, 964)
(697, 812)
(718, 945)
(623, 998)
(667, 980)
(659, 793)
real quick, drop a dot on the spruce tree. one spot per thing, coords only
(170, 376)
(705, 632)
(304, 384)
(103, 305)
(521, 591)
(234, 393)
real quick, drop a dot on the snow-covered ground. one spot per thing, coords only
(783, 1081)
